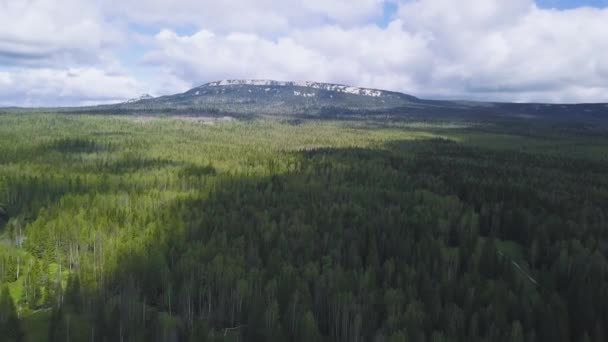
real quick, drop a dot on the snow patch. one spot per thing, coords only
(303, 94)
(315, 85)
(142, 97)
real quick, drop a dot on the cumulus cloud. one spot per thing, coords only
(60, 52)
(53, 32)
(513, 50)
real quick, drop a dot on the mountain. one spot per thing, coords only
(276, 98)
(250, 98)
(270, 97)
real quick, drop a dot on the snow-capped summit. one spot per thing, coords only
(139, 98)
(315, 85)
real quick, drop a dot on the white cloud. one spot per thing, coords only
(513, 50)
(75, 86)
(53, 32)
(440, 16)
(60, 52)
(366, 56)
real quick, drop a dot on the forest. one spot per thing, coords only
(133, 228)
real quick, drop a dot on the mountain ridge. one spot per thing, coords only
(337, 87)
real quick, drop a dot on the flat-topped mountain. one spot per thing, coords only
(316, 99)
(249, 98)
(272, 97)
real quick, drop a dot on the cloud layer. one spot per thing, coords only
(471, 49)
(260, 16)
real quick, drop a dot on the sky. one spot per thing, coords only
(82, 52)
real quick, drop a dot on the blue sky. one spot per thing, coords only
(565, 4)
(74, 52)
(390, 7)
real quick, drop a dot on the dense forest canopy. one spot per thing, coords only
(126, 228)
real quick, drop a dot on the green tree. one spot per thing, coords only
(308, 328)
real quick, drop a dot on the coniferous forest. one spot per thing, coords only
(124, 228)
